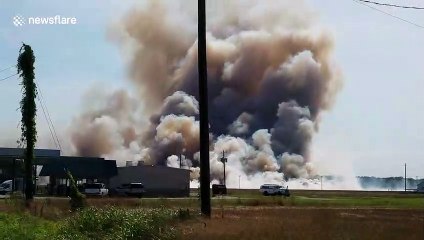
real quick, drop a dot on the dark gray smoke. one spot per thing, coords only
(270, 76)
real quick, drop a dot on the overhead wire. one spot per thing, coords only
(392, 5)
(4, 79)
(48, 117)
(4, 69)
(44, 109)
(389, 14)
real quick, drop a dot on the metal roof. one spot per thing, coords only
(19, 152)
(80, 168)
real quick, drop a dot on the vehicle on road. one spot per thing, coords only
(219, 189)
(96, 189)
(274, 189)
(130, 189)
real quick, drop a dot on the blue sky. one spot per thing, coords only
(377, 120)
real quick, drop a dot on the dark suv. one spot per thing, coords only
(219, 189)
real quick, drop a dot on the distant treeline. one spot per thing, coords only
(388, 183)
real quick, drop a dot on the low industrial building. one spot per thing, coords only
(158, 181)
(420, 187)
(83, 170)
(52, 168)
(52, 179)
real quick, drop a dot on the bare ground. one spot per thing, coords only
(308, 223)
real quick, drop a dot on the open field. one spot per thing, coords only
(245, 214)
(52, 207)
(309, 223)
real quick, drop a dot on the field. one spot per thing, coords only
(245, 214)
(309, 223)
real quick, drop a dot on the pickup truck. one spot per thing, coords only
(96, 189)
(131, 189)
(274, 189)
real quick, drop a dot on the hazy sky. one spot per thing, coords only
(376, 124)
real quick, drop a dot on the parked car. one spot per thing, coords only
(130, 189)
(219, 189)
(274, 189)
(96, 189)
(6, 187)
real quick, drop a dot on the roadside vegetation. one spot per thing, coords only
(304, 215)
(95, 224)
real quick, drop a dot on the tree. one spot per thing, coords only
(28, 108)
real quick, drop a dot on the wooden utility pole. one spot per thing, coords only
(28, 107)
(203, 110)
(224, 160)
(405, 177)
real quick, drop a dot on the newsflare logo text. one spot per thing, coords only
(19, 21)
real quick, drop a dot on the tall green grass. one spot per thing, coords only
(117, 223)
(23, 226)
(95, 224)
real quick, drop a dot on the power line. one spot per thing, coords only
(48, 118)
(44, 108)
(389, 14)
(3, 79)
(2, 70)
(392, 5)
(45, 116)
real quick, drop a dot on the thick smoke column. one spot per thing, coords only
(270, 78)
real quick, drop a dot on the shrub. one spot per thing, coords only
(115, 223)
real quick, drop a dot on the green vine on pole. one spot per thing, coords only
(28, 108)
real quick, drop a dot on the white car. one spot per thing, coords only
(96, 189)
(274, 189)
(6, 187)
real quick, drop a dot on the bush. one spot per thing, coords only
(115, 223)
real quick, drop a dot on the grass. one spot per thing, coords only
(95, 224)
(54, 208)
(240, 215)
(371, 202)
(116, 223)
(252, 223)
(15, 226)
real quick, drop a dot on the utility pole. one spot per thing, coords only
(224, 160)
(181, 163)
(14, 176)
(205, 195)
(321, 182)
(405, 177)
(28, 107)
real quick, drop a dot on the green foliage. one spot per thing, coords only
(28, 107)
(24, 226)
(115, 223)
(95, 224)
(15, 202)
(78, 200)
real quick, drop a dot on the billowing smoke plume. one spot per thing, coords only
(270, 76)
